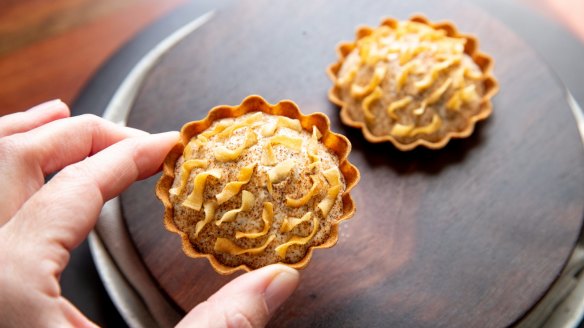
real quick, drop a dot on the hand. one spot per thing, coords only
(41, 223)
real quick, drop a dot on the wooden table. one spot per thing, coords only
(49, 49)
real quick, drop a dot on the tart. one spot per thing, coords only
(412, 83)
(257, 184)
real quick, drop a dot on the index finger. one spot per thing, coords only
(32, 118)
(26, 158)
(62, 212)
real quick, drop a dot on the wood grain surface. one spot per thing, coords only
(469, 236)
(49, 49)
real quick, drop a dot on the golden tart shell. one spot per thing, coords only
(482, 60)
(336, 143)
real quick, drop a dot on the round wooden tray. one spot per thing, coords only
(471, 235)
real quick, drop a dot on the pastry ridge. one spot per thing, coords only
(337, 143)
(482, 60)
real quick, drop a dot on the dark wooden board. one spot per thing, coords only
(471, 235)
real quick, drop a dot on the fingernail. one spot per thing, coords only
(169, 135)
(281, 287)
(136, 132)
(46, 105)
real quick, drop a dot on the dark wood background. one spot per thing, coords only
(50, 49)
(469, 236)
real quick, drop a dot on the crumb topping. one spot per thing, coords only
(411, 81)
(256, 190)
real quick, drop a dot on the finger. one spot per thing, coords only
(248, 301)
(26, 158)
(32, 118)
(73, 316)
(58, 144)
(61, 214)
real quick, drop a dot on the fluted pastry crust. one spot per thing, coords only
(412, 83)
(257, 184)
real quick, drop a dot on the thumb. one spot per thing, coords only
(248, 301)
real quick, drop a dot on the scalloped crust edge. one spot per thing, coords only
(339, 144)
(484, 61)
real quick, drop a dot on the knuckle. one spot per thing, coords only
(89, 117)
(96, 126)
(90, 120)
(81, 177)
(75, 172)
(133, 148)
(236, 316)
(240, 320)
(7, 146)
(15, 147)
